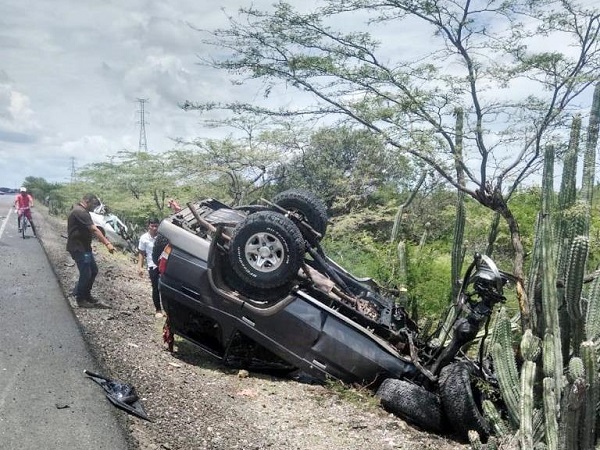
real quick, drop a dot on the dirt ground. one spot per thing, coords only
(194, 403)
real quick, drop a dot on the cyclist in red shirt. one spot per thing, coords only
(23, 205)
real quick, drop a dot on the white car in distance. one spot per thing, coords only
(111, 226)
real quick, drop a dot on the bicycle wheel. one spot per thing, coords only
(24, 225)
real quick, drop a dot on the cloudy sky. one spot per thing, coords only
(71, 73)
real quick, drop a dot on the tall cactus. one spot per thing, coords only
(589, 159)
(570, 317)
(533, 287)
(459, 223)
(571, 405)
(397, 227)
(530, 350)
(506, 366)
(587, 427)
(592, 319)
(550, 414)
(568, 191)
(550, 305)
(567, 198)
(573, 289)
(457, 243)
(458, 250)
(403, 298)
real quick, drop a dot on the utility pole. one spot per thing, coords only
(73, 172)
(142, 147)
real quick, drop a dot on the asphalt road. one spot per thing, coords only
(46, 402)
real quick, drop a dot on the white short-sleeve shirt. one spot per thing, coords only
(146, 245)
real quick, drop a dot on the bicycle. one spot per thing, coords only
(24, 225)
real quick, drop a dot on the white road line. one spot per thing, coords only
(5, 222)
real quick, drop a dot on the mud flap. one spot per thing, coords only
(168, 336)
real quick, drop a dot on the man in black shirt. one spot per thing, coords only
(81, 230)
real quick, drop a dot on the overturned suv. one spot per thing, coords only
(252, 287)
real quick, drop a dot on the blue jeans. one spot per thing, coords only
(87, 274)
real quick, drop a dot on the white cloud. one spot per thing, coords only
(17, 121)
(71, 72)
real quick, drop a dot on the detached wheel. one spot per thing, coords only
(159, 245)
(461, 401)
(307, 205)
(413, 403)
(266, 250)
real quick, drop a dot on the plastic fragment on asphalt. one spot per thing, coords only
(122, 395)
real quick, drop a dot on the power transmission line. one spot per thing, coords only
(142, 147)
(73, 171)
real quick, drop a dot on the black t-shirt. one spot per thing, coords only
(79, 237)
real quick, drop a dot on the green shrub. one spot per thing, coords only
(429, 280)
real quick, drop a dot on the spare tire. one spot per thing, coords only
(266, 250)
(461, 401)
(311, 208)
(259, 296)
(413, 403)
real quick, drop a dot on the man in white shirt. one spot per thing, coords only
(145, 246)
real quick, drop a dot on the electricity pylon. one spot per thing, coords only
(142, 147)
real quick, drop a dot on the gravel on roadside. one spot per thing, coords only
(193, 402)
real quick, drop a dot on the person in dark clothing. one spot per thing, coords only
(145, 247)
(80, 231)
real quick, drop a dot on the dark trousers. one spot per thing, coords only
(86, 263)
(26, 213)
(154, 274)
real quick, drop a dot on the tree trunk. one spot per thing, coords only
(518, 261)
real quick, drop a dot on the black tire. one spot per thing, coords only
(261, 296)
(159, 245)
(413, 403)
(309, 206)
(461, 402)
(266, 250)
(251, 209)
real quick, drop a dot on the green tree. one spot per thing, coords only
(42, 190)
(345, 165)
(141, 175)
(234, 168)
(491, 59)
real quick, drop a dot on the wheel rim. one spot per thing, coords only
(265, 252)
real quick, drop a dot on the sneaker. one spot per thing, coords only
(85, 304)
(92, 304)
(101, 305)
(159, 315)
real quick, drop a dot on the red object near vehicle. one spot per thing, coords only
(162, 260)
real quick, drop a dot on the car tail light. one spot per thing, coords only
(162, 259)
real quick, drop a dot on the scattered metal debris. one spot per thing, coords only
(120, 394)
